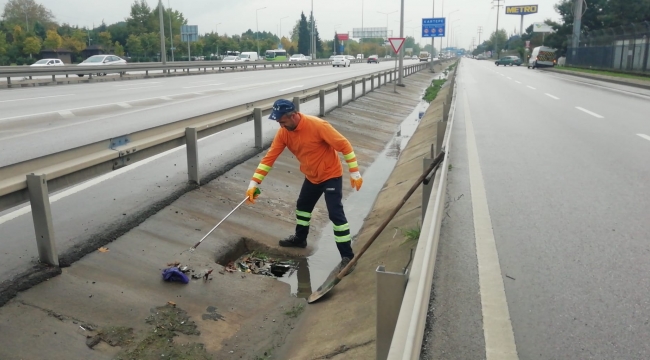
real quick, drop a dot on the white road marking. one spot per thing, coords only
(27, 208)
(517, 82)
(34, 98)
(589, 112)
(644, 136)
(158, 82)
(198, 93)
(552, 97)
(66, 114)
(124, 105)
(530, 87)
(140, 88)
(191, 87)
(509, 78)
(497, 327)
(166, 98)
(293, 87)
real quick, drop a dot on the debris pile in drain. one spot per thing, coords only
(262, 264)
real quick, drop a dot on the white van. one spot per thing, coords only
(249, 56)
(542, 56)
(359, 56)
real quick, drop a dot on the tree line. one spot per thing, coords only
(598, 15)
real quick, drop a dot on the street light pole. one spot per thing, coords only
(171, 34)
(401, 52)
(387, 13)
(257, 32)
(217, 29)
(451, 32)
(446, 23)
(163, 52)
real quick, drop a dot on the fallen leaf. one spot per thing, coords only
(103, 249)
(171, 303)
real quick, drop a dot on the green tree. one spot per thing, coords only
(73, 44)
(500, 38)
(134, 45)
(27, 13)
(105, 40)
(119, 32)
(3, 43)
(32, 45)
(150, 43)
(118, 49)
(303, 35)
(140, 18)
(53, 40)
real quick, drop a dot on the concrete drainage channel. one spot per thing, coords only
(254, 312)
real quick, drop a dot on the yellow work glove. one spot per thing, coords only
(253, 192)
(356, 180)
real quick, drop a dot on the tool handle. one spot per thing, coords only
(257, 192)
(381, 228)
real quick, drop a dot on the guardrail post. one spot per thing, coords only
(363, 90)
(42, 216)
(385, 78)
(340, 91)
(390, 292)
(8, 81)
(191, 139)
(53, 78)
(321, 97)
(296, 103)
(440, 136)
(354, 89)
(146, 73)
(372, 82)
(257, 118)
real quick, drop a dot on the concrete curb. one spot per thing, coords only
(610, 79)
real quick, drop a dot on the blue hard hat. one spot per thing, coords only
(280, 108)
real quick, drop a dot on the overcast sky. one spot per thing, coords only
(236, 16)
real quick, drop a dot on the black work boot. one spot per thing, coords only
(293, 241)
(344, 262)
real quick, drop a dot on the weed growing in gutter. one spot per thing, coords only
(432, 91)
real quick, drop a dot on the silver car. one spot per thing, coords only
(102, 60)
(340, 60)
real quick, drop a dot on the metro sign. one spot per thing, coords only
(521, 10)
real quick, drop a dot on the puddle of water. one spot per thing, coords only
(313, 271)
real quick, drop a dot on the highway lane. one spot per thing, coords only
(64, 117)
(565, 171)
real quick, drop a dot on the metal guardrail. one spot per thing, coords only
(26, 71)
(33, 179)
(408, 332)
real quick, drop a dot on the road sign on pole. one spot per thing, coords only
(433, 27)
(396, 44)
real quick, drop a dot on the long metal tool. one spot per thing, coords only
(216, 226)
(332, 281)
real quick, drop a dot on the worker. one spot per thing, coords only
(315, 144)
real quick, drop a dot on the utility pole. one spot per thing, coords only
(171, 34)
(433, 14)
(163, 52)
(577, 20)
(217, 30)
(480, 30)
(496, 34)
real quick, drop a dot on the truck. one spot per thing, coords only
(542, 56)
(424, 56)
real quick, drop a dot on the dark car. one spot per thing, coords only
(373, 59)
(508, 60)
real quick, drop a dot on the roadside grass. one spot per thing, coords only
(412, 234)
(432, 91)
(603, 72)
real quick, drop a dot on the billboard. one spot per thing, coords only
(189, 33)
(521, 10)
(343, 37)
(542, 27)
(433, 27)
(376, 32)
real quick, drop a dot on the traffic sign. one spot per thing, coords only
(433, 27)
(396, 44)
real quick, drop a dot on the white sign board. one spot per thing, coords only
(542, 27)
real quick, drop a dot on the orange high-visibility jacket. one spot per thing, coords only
(315, 144)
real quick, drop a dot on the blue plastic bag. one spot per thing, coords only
(173, 274)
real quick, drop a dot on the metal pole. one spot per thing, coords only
(496, 34)
(171, 34)
(257, 30)
(163, 52)
(433, 15)
(192, 148)
(443, 15)
(521, 26)
(577, 19)
(42, 217)
(401, 53)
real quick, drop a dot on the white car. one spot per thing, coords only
(48, 62)
(231, 59)
(297, 57)
(102, 60)
(349, 57)
(340, 60)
